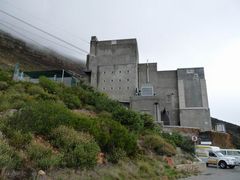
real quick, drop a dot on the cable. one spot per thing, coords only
(58, 27)
(43, 37)
(24, 36)
(45, 32)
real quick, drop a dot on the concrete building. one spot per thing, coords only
(176, 98)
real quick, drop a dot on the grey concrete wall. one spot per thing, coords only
(147, 104)
(196, 118)
(193, 100)
(165, 88)
(110, 61)
(118, 81)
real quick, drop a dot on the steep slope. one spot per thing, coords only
(31, 57)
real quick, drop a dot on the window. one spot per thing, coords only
(127, 71)
(111, 88)
(119, 80)
(223, 152)
(120, 71)
(112, 72)
(211, 154)
(104, 80)
(111, 80)
(127, 79)
(195, 76)
(119, 88)
(104, 72)
(127, 88)
(104, 88)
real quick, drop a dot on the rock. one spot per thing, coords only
(41, 173)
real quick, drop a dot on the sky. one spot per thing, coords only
(173, 33)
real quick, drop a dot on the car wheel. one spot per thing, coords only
(231, 167)
(222, 164)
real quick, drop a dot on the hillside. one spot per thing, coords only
(79, 133)
(31, 57)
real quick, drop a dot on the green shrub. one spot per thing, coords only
(3, 85)
(9, 159)
(111, 135)
(5, 75)
(148, 121)
(43, 157)
(183, 142)
(116, 155)
(71, 101)
(129, 119)
(19, 139)
(49, 85)
(80, 149)
(158, 145)
(35, 90)
(41, 117)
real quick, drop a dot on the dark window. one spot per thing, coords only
(120, 71)
(111, 80)
(127, 79)
(127, 87)
(211, 154)
(119, 80)
(119, 88)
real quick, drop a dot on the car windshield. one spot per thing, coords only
(219, 154)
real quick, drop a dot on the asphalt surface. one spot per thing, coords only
(214, 173)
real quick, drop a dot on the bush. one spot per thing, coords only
(129, 119)
(71, 101)
(185, 143)
(158, 145)
(19, 140)
(80, 149)
(41, 117)
(116, 155)
(5, 75)
(43, 157)
(111, 136)
(49, 85)
(9, 159)
(3, 85)
(148, 121)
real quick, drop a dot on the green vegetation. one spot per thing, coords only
(40, 130)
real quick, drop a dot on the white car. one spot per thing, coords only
(232, 153)
(218, 159)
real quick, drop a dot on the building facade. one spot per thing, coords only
(175, 98)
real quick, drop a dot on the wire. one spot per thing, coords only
(24, 36)
(43, 38)
(58, 27)
(45, 32)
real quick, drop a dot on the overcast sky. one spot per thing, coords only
(173, 33)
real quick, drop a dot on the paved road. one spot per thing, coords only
(213, 173)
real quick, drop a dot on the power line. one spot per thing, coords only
(45, 32)
(24, 36)
(43, 38)
(58, 27)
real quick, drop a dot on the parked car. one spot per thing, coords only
(202, 151)
(218, 159)
(233, 153)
